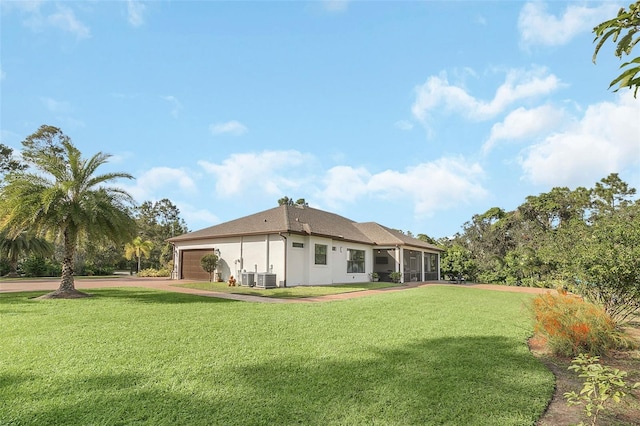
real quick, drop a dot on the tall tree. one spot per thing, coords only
(62, 195)
(138, 248)
(158, 221)
(610, 194)
(627, 20)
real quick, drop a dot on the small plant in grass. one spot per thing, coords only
(602, 385)
(571, 326)
(395, 276)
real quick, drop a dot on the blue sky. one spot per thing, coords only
(416, 115)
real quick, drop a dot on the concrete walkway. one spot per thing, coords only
(165, 284)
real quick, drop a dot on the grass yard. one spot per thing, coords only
(289, 292)
(434, 355)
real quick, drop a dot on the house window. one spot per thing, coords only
(321, 254)
(298, 245)
(355, 261)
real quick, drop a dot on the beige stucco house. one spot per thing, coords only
(300, 245)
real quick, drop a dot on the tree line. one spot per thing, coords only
(586, 240)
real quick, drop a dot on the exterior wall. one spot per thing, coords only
(297, 260)
(264, 253)
(339, 274)
(272, 253)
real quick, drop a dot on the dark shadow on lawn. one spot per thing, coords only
(461, 381)
(457, 381)
(137, 294)
(144, 295)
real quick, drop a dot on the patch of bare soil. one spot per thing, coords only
(68, 294)
(627, 413)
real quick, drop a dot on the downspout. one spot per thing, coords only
(174, 272)
(286, 250)
(241, 254)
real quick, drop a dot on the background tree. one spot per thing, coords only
(138, 248)
(158, 221)
(286, 201)
(48, 141)
(8, 163)
(610, 194)
(606, 262)
(63, 196)
(629, 21)
(456, 262)
(209, 262)
(22, 245)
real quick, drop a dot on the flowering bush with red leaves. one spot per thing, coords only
(571, 326)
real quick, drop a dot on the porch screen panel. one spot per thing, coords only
(430, 267)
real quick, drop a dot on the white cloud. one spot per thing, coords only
(525, 123)
(538, 27)
(451, 181)
(3, 74)
(344, 184)
(404, 124)
(605, 140)
(58, 107)
(175, 103)
(335, 5)
(267, 172)
(160, 178)
(135, 13)
(232, 127)
(192, 214)
(65, 19)
(437, 94)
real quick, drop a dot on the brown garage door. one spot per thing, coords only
(190, 265)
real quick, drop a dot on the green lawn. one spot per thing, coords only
(289, 292)
(434, 355)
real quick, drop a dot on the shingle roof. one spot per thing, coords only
(383, 236)
(306, 221)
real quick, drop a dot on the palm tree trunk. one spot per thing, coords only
(67, 289)
(67, 283)
(13, 267)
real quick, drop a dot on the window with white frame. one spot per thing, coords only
(321, 254)
(355, 261)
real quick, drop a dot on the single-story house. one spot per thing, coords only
(299, 245)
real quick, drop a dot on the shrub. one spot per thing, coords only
(4, 266)
(395, 276)
(602, 385)
(572, 326)
(150, 272)
(36, 266)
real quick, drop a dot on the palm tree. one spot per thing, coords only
(62, 196)
(21, 245)
(137, 248)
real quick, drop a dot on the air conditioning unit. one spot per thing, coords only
(266, 280)
(248, 279)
